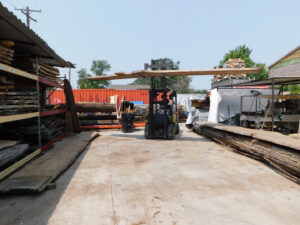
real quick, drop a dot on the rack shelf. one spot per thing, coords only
(14, 71)
(10, 118)
(44, 147)
(23, 74)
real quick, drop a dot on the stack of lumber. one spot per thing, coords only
(27, 131)
(51, 128)
(95, 107)
(6, 55)
(97, 119)
(18, 102)
(11, 153)
(6, 84)
(235, 63)
(29, 65)
(181, 114)
(280, 151)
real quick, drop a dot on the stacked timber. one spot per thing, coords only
(279, 151)
(97, 119)
(102, 107)
(30, 65)
(18, 102)
(232, 64)
(27, 131)
(6, 55)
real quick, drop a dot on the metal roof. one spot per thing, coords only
(277, 81)
(26, 40)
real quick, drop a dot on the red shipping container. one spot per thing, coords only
(100, 95)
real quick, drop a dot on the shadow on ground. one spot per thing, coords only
(28, 209)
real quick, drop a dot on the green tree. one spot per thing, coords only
(98, 68)
(243, 52)
(179, 83)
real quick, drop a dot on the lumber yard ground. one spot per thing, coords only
(125, 179)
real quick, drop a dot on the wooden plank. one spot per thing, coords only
(159, 73)
(48, 165)
(10, 118)
(17, 72)
(18, 164)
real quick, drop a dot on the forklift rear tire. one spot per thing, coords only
(177, 129)
(147, 131)
(171, 131)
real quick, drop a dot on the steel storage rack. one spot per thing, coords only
(34, 109)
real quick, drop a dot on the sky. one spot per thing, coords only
(129, 33)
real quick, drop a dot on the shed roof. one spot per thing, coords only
(269, 81)
(26, 40)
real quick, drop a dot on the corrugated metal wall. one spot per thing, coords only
(100, 95)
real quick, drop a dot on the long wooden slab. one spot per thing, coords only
(36, 175)
(269, 136)
(159, 73)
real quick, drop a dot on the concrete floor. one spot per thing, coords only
(125, 179)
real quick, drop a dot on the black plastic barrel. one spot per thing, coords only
(127, 123)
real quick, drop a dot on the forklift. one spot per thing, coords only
(163, 116)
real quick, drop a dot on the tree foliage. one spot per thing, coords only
(98, 68)
(179, 83)
(243, 52)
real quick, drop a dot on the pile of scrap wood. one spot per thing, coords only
(181, 114)
(201, 103)
(18, 102)
(280, 151)
(6, 54)
(141, 114)
(30, 65)
(11, 151)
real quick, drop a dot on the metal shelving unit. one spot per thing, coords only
(12, 118)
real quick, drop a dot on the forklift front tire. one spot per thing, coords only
(171, 131)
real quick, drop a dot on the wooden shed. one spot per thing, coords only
(287, 66)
